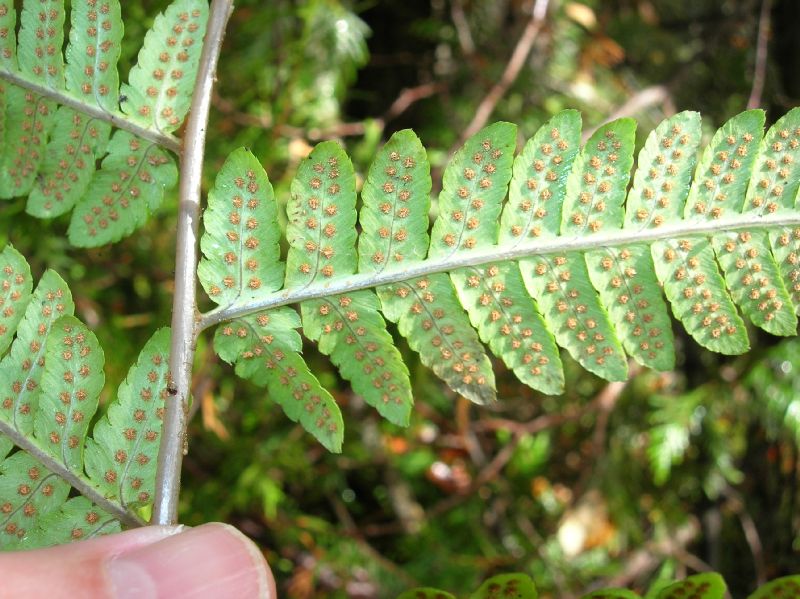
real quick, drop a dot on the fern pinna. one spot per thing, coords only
(57, 116)
(707, 585)
(50, 382)
(572, 258)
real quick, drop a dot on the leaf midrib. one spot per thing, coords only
(495, 253)
(117, 118)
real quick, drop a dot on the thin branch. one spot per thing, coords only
(554, 245)
(643, 561)
(81, 485)
(649, 96)
(511, 72)
(184, 306)
(462, 28)
(737, 504)
(117, 119)
(404, 100)
(762, 43)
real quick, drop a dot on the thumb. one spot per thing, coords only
(213, 560)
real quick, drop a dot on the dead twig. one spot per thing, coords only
(511, 72)
(762, 43)
(649, 96)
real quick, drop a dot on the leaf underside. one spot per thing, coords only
(603, 303)
(49, 152)
(50, 383)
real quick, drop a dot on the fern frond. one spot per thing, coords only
(50, 382)
(57, 117)
(576, 259)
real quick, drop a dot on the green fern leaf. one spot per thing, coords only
(428, 314)
(787, 587)
(561, 283)
(657, 197)
(750, 270)
(534, 210)
(15, 293)
(241, 257)
(121, 455)
(591, 262)
(322, 219)
(77, 140)
(395, 203)
(624, 276)
(394, 221)
(71, 382)
(127, 188)
(774, 187)
(474, 185)
(266, 350)
(494, 295)
(50, 382)
(426, 593)
(349, 328)
(41, 38)
(519, 586)
(22, 368)
(8, 60)
(76, 143)
(161, 83)
(612, 594)
(664, 173)
(708, 585)
(240, 249)
(76, 520)
(27, 490)
(686, 267)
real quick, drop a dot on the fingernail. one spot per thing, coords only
(213, 560)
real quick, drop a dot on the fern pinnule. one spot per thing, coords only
(160, 85)
(70, 390)
(22, 368)
(128, 187)
(16, 284)
(120, 455)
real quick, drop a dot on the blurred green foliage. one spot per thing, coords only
(607, 485)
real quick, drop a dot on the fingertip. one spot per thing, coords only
(213, 560)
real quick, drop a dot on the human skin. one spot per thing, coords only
(213, 560)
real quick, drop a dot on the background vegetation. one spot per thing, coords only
(609, 484)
